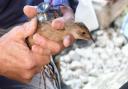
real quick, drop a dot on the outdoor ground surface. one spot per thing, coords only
(100, 65)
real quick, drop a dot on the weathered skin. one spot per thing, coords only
(78, 30)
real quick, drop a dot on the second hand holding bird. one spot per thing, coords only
(77, 30)
(60, 29)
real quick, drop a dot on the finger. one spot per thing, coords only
(55, 47)
(58, 23)
(30, 11)
(68, 40)
(68, 14)
(40, 40)
(41, 51)
(25, 30)
(63, 9)
(29, 28)
(45, 43)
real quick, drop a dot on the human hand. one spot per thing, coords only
(57, 24)
(17, 61)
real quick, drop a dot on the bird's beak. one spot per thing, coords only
(93, 40)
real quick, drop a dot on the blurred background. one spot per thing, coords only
(103, 64)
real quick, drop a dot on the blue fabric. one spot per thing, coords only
(11, 11)
(56, 2)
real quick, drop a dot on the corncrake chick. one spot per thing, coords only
(78, 30)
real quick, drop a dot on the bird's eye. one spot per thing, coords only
(83, 33)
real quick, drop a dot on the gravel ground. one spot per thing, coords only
(99, 65)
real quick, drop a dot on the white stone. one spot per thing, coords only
(75, 57)
(75, 65)
(100, 32)
(67, 59)
(75, 83)
(118, 41)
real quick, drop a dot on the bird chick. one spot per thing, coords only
(78, 30)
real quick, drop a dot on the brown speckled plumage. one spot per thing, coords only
(78, 30)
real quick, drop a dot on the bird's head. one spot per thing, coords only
(82, 32)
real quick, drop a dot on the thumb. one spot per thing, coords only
(25, 30)
(30, 11)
